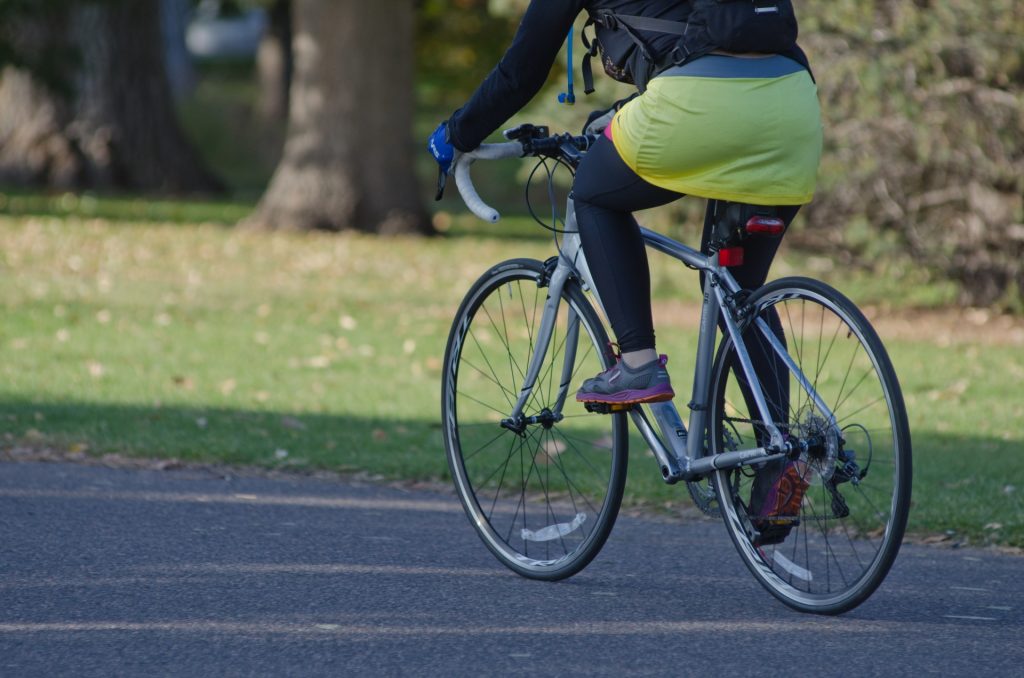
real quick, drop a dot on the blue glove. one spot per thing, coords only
(440, 148)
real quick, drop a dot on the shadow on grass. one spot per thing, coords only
(399, 449)
(133, 209)
(966, 489)
(122, 207)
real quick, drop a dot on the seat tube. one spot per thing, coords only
(748, 370)
(702, 373)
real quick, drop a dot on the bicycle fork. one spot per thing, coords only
(555, 283)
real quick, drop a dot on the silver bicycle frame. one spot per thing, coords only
(684, 458)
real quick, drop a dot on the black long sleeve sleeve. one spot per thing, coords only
(519, 75)
(525, 65)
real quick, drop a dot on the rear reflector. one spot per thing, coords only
(765, 226)
(730, 256)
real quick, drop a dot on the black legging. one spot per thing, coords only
(605, 193)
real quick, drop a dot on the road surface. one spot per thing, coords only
(111, 571)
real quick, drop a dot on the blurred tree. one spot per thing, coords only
(458, 42)
(181, 72)
(924, 144)
(85, 102)
(348, 156)
(274, 62)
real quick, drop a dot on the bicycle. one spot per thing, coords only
(541, 476)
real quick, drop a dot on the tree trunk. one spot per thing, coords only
(116, 126)
(34, 148)
(274, 63)
(348, 156)
(181, 72)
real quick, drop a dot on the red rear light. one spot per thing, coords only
(765, 226)
(730, 256)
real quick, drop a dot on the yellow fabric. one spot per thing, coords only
(754, 140)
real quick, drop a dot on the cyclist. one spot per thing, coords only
(729, 126)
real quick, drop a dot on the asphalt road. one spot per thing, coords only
(108, 572)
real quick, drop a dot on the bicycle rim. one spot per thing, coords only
(829, 554)
(545, 498)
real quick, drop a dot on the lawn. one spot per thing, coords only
(156, 329)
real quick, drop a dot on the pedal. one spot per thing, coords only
(607, 408)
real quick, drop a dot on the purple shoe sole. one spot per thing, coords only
(657, 394)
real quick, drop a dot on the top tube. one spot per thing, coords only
(674, 248)
(690, 257)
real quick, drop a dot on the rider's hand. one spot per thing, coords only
(442, 150)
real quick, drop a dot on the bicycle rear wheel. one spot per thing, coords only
(827, 552)
(543, 495)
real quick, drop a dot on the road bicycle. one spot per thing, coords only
(541, 476)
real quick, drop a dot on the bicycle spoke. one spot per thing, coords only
(867, 373)
(828, 352)
(571, 484)
(847, 536)
(467, 457)
(482, 403)
(493, 373)
(879, 399)
(519, 492)
(501, 480)
(828, 548)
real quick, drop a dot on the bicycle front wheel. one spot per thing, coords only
(821, 529)
(542, 491)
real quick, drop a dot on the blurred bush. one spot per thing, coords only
(924, 111)
(458, 43)
(924, 140)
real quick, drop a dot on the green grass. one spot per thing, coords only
(125, 208)
(147, 334)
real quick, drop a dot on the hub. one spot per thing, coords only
(818, 444)
(545, 418)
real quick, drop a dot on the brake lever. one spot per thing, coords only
(442, 181)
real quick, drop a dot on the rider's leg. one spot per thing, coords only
(775, 488)
(605, 194)
(758, 255)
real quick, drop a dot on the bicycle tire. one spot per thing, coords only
(834, 554)
(553, 518)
